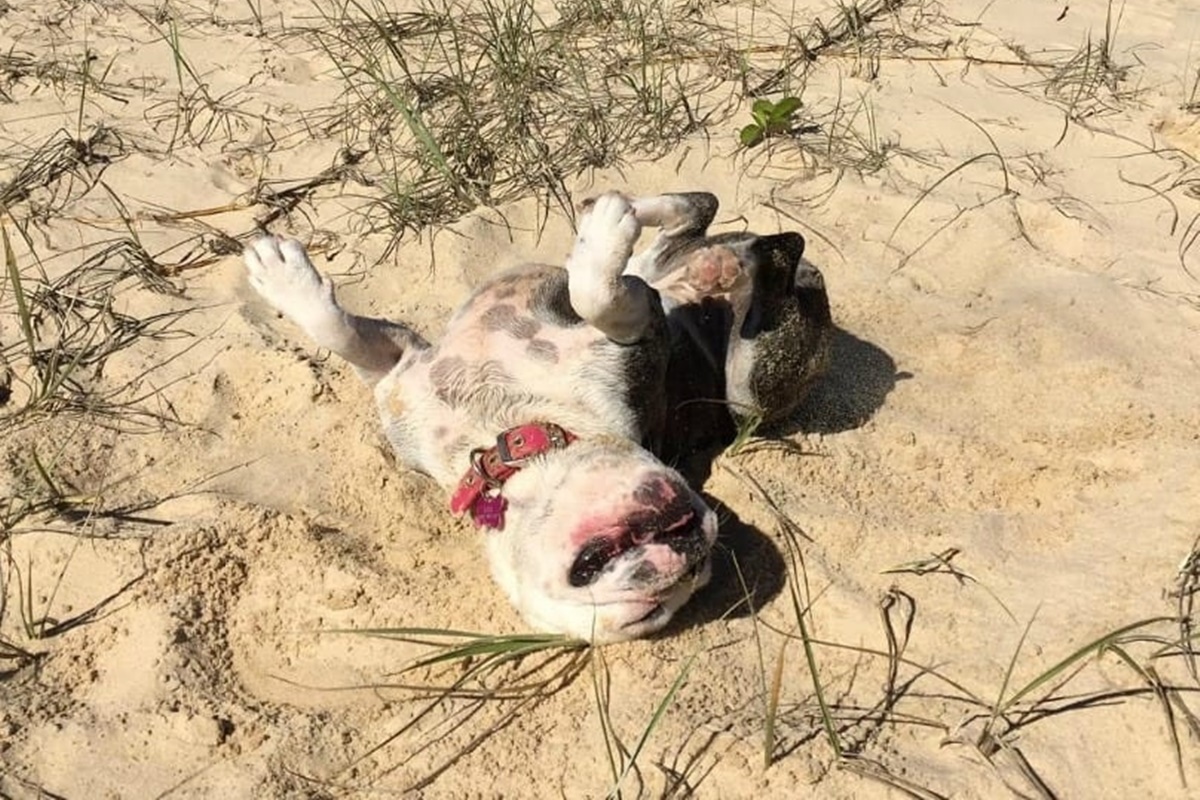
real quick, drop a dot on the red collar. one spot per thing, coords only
(478, 490)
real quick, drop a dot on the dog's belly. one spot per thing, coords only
(516, 352)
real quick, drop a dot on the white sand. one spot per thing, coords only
(1017, 380)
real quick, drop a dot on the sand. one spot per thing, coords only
(1003, 464)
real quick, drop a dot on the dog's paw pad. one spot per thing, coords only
(715, 271)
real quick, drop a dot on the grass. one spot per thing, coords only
(993, 724)
(1089, 82)
(71, 328)
(623, 761)
(433, 92)
(429, 130)
(520, 670)
(194, 114)
(65, 165)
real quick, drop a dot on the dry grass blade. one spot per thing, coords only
(1165, 695)
(12, 656)
(1096, 646)
(601, 691)
(801, 608)
(1187, 588)
(896, 644)
(771, 691)
(877, 772)
(62, 155)
(462, 105)
(653, 723)
(1015, 769)
(24, 318)
(975, 159)
(940, 563)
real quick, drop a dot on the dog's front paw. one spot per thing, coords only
(280, 271)
(608, 229)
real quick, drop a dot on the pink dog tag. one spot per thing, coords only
(488, 511)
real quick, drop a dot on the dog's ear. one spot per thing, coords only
(778, 256)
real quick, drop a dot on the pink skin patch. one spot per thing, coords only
(652, 502)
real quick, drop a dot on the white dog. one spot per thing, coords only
(547, 406)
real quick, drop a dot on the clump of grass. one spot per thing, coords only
(195, 114)
(518, 669)
(513, 672)
(1089, 81)
(477, 660)
(66, 165)
(70, 329)
(482, 104)
(63, 74)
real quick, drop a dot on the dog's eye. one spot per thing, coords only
(590, 561)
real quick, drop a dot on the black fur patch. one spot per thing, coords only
(551, 302)
(640, 370)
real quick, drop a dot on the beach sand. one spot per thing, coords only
(1000, 472)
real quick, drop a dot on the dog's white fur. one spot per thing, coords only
(557, 502)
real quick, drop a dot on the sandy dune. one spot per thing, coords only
(1002, 468)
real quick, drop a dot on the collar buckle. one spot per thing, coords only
(478, 491)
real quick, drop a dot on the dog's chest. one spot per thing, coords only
(517, 352)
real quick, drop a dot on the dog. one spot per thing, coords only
(557, 396)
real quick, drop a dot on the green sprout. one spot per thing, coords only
(770, 119)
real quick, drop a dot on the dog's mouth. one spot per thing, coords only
(660, 610)
(655, 614)
(682, 535)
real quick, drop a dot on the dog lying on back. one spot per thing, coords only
(550, 403)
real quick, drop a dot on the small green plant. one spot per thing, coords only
(770, 119)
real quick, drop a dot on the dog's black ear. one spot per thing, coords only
(778, 256)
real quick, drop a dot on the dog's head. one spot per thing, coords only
(601, 541)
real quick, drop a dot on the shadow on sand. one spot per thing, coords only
(860, 377)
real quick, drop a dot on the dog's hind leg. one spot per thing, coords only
(782, 331)
(281, 272)
(678, 218)
(774, 322)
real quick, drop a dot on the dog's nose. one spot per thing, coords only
(663, 513)
(671, 524)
